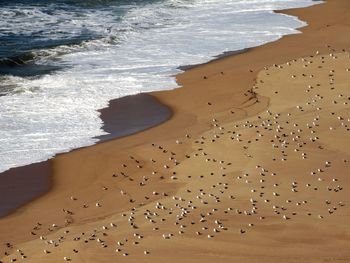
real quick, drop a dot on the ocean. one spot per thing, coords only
(61, 61)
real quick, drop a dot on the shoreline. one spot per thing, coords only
(112, 125)
(79, 172)
(123, 117)
(218, 57)
(112, 120)
(118, 122)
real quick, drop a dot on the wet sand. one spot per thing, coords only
(124, 116)
(251, 167)
(21, 185)
(132, 114)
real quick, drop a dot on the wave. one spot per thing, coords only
(139, 48)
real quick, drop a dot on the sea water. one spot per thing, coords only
(62, 60)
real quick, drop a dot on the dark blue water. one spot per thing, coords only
(45, 24)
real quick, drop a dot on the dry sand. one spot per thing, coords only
(252, 166)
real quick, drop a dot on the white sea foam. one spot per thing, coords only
(141, 52)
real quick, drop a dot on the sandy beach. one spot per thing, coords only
(251, 166)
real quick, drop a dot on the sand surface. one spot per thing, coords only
(124, 116)
(252, 166)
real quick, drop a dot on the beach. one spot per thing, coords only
(251, 166)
